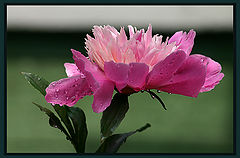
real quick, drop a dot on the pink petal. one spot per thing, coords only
(98, 83)
(176, 38)
(183, 41)
(67, 91)
(103, 96)
(131, 31)
(91, 71)
(210, 83)
(71, 69)
(137, 75)
(164, 70)
(213, 74)
(117, 72)
(122, 38)
(188, 79)
(148, 36)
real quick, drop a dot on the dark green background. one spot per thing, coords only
(190, 125)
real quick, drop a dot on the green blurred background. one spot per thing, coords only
(190, 125)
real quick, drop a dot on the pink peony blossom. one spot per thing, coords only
(130, 65)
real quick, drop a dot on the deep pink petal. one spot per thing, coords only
(137, 75)
(67, 91)
(71, 69)
(117, 72)
(213, 74)
(164, 70)
(102, 87)
(188, 79)
(92, 72)
(103, 96)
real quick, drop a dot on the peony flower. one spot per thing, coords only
(129, 65)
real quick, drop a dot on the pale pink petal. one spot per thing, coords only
(131, 31)
(165, 69)
(148, 36)
(183, 41)
(137, 75)
(71, 69)
(103, 96)
(188, 79)
(176, 38)
(67, 91)
(117, 72)
(122, 38)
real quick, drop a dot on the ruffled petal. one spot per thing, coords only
(137, 75)
(103, 96)
(67, 91)
(189, 78)
(117, 72)
(164, 70)
(213, 74)
(71, 69)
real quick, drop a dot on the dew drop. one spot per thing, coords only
(66, 92)
(53, 104)
(142, 91)
(39, 78)
(67, 98)
(158, 91)
(169, 93)
(153, 96)
(73, 97)
(82, 76)
(57, 90)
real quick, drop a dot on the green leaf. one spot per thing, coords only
(80, 127)
(62, 112)
(53, 120)
(41, 84)
(37, 82)
(112, 144)
(114, 114)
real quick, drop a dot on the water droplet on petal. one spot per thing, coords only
(158, 91)
(57, 90)
(53, 104)
(153, 96)
(66, 92)
(142, 91)
(169, 93)
(67, 98)
(82, 76)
